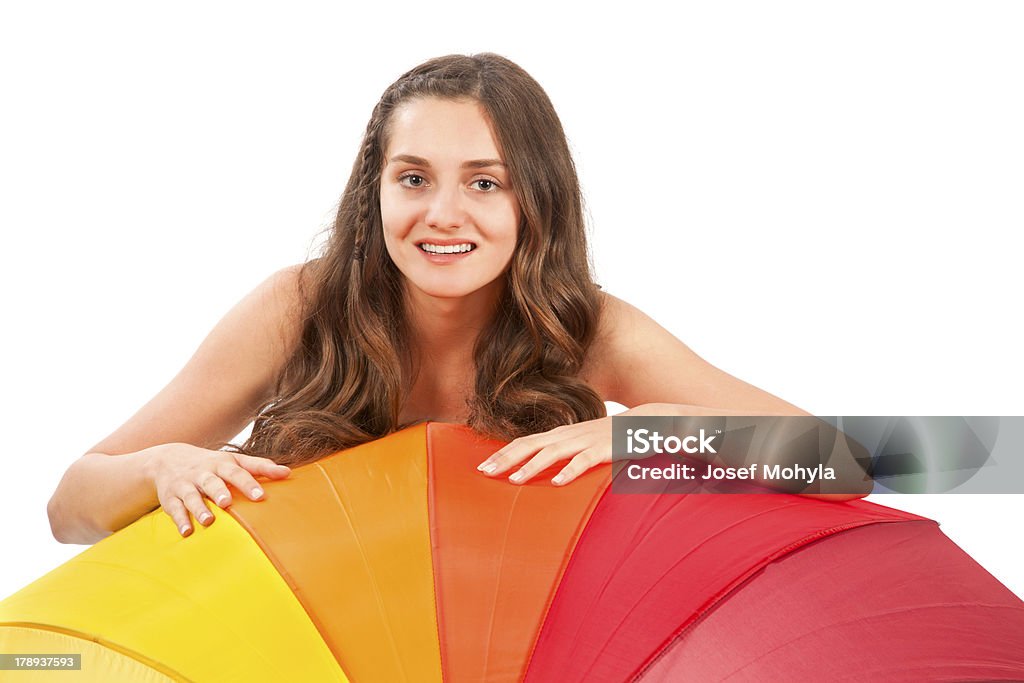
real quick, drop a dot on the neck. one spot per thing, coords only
(445, 329)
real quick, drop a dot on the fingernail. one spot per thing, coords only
(184, 529)
(558, 479)
(517, 476)
(257, 493)
(206, 518)
(223, 499)
(490, 468)
(482, 466)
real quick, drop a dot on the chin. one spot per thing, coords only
(449, 289)
(448, 292)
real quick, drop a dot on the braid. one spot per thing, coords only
(368, 164)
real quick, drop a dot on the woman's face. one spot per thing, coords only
(444, 188)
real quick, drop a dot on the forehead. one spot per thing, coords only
(441, 130)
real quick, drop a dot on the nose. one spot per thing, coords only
(445, 209)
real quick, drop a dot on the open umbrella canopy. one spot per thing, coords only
(398, 561)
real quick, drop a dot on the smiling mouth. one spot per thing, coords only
(463, 248)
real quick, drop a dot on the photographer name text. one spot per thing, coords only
(713, 472)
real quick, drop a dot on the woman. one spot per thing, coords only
(455, 287)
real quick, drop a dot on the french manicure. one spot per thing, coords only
(490, 468)
(257, 493)
(184, 529)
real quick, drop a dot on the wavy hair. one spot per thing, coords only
(345, 382)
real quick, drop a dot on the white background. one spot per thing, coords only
(822, 200)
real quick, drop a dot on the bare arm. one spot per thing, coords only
(636, 362)
(654, 373)
(208, 402)
(648, 364)
(85, 507)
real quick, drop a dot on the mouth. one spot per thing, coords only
(443, 249)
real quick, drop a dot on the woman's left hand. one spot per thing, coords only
(584, 444)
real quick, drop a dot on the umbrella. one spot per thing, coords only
(398, 561)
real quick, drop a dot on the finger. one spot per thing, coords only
(215, 489)
(264, 466)
(542, 460)
(579, 464)
(490, 465)
(241, 479)
(521, 448)
(512, 454)
(193, 501)
(175, 509)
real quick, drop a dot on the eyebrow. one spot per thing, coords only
(475, 163)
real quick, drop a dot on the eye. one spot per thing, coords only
(411, 176)
(489, 185)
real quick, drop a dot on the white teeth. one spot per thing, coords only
(452, 249)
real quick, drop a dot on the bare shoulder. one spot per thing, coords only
(621, 322)
(635, 358)
(642, 362)
(598, 369)
(281, 301)
(617, 312)
(272, 315)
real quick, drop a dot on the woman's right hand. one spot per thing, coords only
(183, 474)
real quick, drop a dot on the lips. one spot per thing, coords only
(445, 242)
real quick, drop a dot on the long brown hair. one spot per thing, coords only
(345, 382)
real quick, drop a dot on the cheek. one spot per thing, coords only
(512, 223)
(501, 216)
(395, 217)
